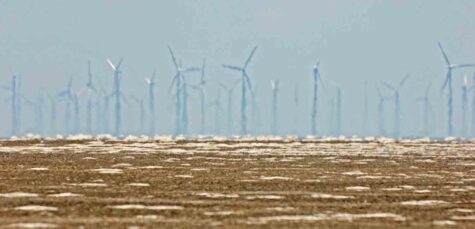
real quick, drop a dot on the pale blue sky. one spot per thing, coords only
(50, 40)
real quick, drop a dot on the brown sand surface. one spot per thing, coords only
(236, 184)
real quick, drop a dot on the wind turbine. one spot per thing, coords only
(201, 88)
(365, 109)
(151, 102)
(229, 119)
(68, 95)
(218, 110)
(177, 82)
(296, 107)
(39, 120)
(275, 91)
(397, 104)
(89, 89)
(14, 99)
(464, 105)
(316, 78)
(381, 118)
(448, 83)
(338, 111)
(140, 103)
(52, 123)
(117, 94)
(426, 109)
(246, 85)
(473, 105)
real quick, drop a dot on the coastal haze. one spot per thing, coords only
(48, 42)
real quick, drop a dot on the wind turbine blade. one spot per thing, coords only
(446, 82)
(152, 80)
(89, 69)
(403, 81)
(111, 64)
(248, 83)
(250, 57)
(427, 90)
(223, 86)
(388, 86)
(235, 84)
(173, 82)
(203, 71)
(272, 83)
(148, 81)
(444, 54)
(173, 57)
(462, 65)
(193, 69)
(120, 63)
(235, 68)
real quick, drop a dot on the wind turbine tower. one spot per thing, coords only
(246, 85)
(464, 105)
(448, 83)
(275, 91)
(397, 104)
(316, 78)
(117, 95)
(229, 113)
(151, 103)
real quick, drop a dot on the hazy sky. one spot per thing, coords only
(49, 41)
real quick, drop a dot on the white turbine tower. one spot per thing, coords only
(246, 85)
(151, 103)
(296, 115)
(229, 113)
(448, 83)
(464, 105)
(218, 111)
(397, 104)
(178, 81)
(426, 110)
(117, 95)
(140, 103)
(52, 123)
(274, 120)
(316, 78)
(68, 95)
(338, 111)
(89, 89)
(381, 115)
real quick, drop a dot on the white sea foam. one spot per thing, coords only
(18, 195)
(36, 208)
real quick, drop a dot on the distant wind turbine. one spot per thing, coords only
(246, 85)
(14, 100)
(151, 103)
(448, 83)
(89, 90)
(381, 114)
(52, 122)
(178, 81)
(472, 89)
(296, 109)
(365, 109)
(229, 119)
(316, 78)
(426, 109)
(397, 104)
(464, 105)
(67, 94)
(117, 94)
(275, 91)
(338, 111)
(218, 110)
(140, 103)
